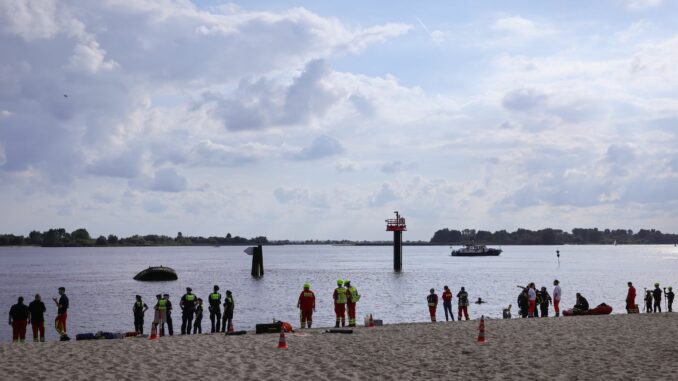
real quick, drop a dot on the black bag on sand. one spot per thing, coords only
(269, 328)
(345, 331)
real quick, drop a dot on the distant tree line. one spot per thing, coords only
(80, 237)
(553, 237)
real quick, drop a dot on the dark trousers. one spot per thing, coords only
(215, 318)
(197, 326)
(186, 321)
(226, 321)
(139, 324)
(544, 310)
(448, 309)
(658, 305)
(670, 305)
(170, 327)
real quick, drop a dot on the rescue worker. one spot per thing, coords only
(432, 300)
(160, 315)
(523, 302)
(648, 301)
(352, 297)
(306, 305)
(37, 319)
(657, 295)
(168, 315)
(669, 298)
(463, 303)
(138, 310)
(187, 304)
(582, 304)
(18, 319)
(631, 298)
(556, 297)
(545, 301)
(229, 306)
(531, 300)
(197, 325)
(215, 309)
(447, 303)
(340, 300)
(62, 314)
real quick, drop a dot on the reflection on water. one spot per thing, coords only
(101, 290)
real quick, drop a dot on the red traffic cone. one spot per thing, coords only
(481, 330)
(230, 328)
(282, 344)
(154, 332)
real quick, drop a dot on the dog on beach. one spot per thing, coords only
(506, 312)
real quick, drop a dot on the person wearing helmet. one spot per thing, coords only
(669, 298)
(187, 305)
(306, 305)
(215, 309)
(657, 295)
(352, 297)
(340, 304)
(432, 300)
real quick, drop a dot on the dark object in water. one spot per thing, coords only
(345, 331)
(156, 274)
(473, 250)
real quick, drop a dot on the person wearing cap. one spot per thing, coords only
(340, 300)
(352, 297)
(139, 309)
(657, 295)
(432, 300)
(556, 297)
(631, 298)
(669, 298)
(229, 307)
(306, 305)
(168, 315)
(215, 309)
(187, 305)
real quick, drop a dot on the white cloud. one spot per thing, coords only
(383, 196)
(30, 19)
(636, 5)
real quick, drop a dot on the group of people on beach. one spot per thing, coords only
(532, 302)
(191, 313)
(20, 315)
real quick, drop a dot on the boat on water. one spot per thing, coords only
(156, 274)
(473, 250)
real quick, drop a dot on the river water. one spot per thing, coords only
(101, 290)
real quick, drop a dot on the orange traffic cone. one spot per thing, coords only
(282, 344)
(481, 330)
(154, 332)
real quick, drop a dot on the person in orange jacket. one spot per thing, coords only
(352, 297)
(306, 305)
(340, 300)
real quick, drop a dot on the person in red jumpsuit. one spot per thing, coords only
(306, 305)
(432, 300)
(340, 300)
(631, 298)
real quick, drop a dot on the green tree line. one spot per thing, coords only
(81, 237)
(553, 237)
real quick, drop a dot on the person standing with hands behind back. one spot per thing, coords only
(62, 314)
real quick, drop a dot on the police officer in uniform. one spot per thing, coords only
(215, 309)
(187, 305)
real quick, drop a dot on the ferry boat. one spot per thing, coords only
(473, 250)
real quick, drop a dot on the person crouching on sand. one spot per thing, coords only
(432, 300)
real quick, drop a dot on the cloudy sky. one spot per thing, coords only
(309, 119)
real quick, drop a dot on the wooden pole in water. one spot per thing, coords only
(397, 251)
(261, 260)
(258, 262)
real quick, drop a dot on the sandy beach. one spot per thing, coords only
(576, 348)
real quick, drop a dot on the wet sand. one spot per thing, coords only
(570, 348)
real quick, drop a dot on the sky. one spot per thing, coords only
(317, 120)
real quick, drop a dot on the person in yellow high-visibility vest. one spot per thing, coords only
(340, 304)
(352, 297)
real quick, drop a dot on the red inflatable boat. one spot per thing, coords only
(602, 309)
